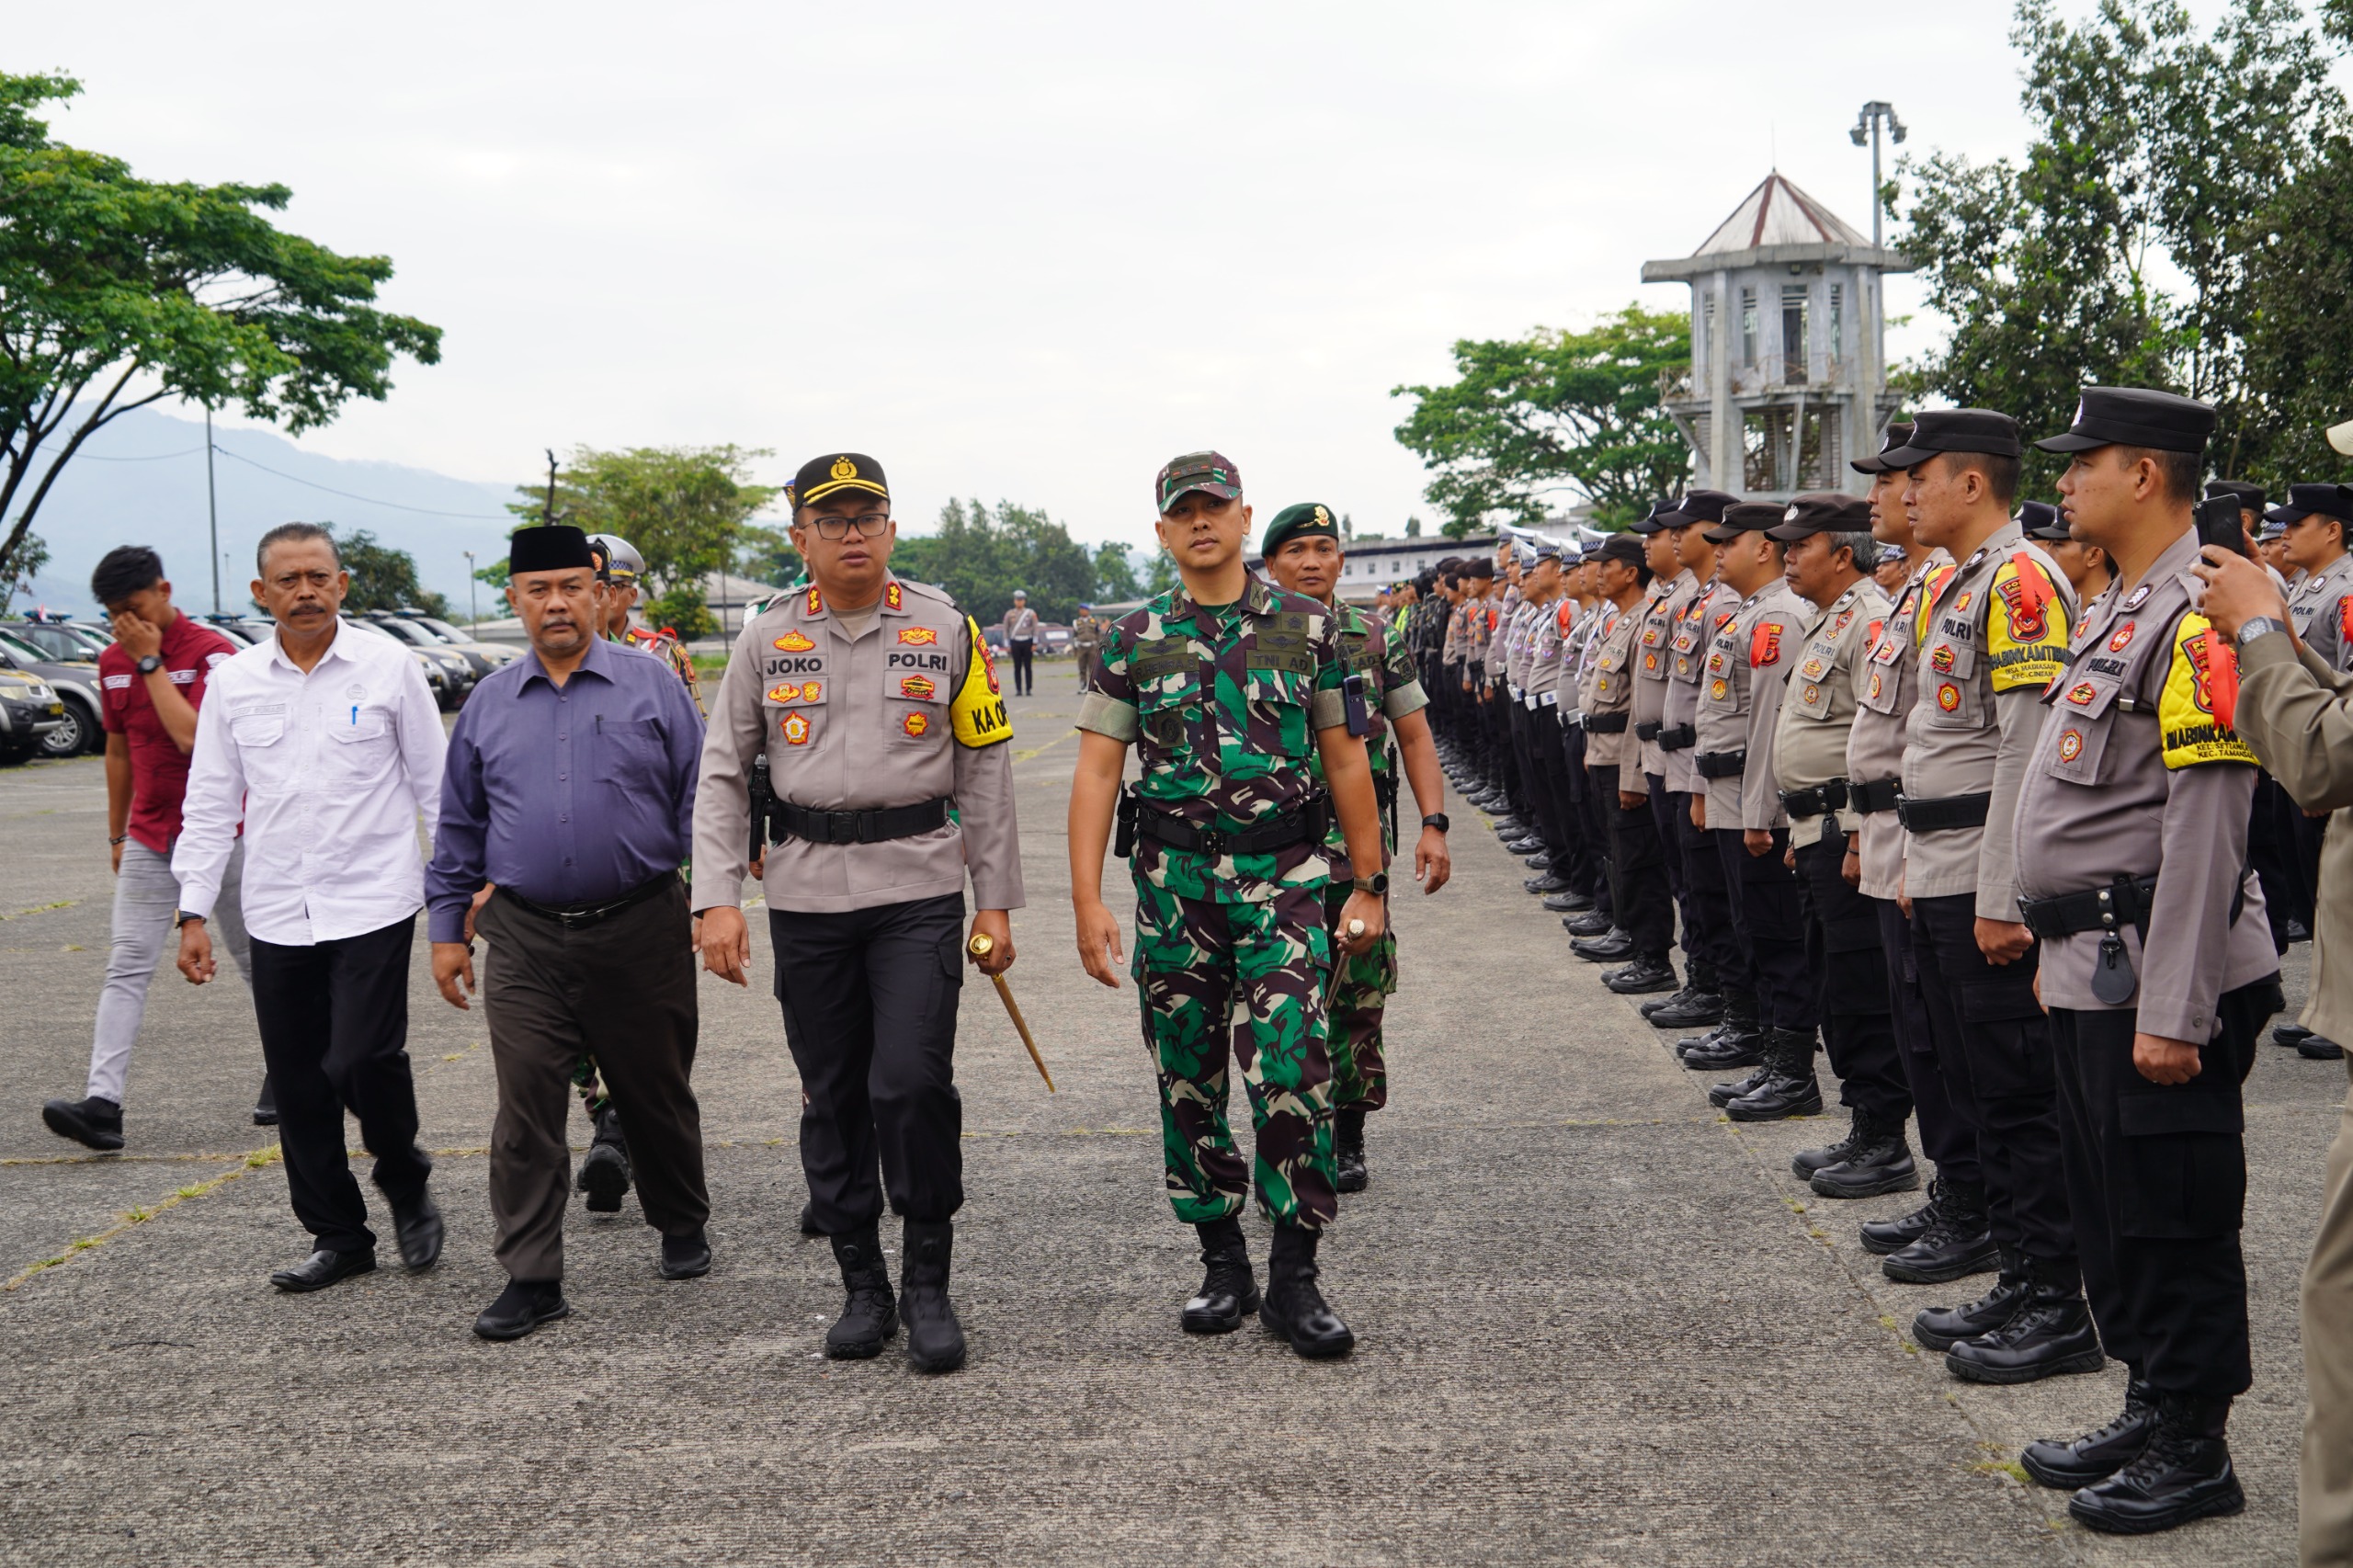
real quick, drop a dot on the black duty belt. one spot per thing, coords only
(1819, 800)
(1945, 814)
(1878, 795)
(1604, 723)
(859, 828)
(1307, 823)
(2125, 901)
(1722, 763)
(1678, 737)
(1648, 728)
(574, 917)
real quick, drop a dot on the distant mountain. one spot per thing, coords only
(141, 480)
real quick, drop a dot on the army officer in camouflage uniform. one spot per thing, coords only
(1228, 688)
(875, 706)
(1303, 551)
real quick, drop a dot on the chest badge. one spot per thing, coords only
(792, 643)
(796, 729)
(1812, 695)
(2071, 745)
(1875, 684)
(1948, 696)
(1941, 661)
(1962, 603)
(355, 694)
(916, 723)
(918, 636)
(2082, 693)
(1717, 689)
(920, 688)
(1810, 670)
(2123, 638)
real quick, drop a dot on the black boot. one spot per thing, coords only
(1942, 1328)
(1590, 923)
(2050, 1336)
(1692, 1007)
(1569, 903)
(2184, 1473)
(1613, 946)
(1958, 1243)
(1295, 1308)
(1722, 1095)
(1348, 1149)
(935, 1339)
(1879, 1163)
(1647, 973)
(1548, 881)
(1737, 1042)
(93, 1122)
(870, 1315)
(2065, 1464)
(1881, 1237)
(1227, 1289)
(1790, 1091)
(1806, 1161)
(603, 1170)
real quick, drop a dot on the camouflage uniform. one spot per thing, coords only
(1223, 704)
(665, 645)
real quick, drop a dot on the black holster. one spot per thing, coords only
(1123, 842)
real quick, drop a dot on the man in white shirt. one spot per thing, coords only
(327, 745)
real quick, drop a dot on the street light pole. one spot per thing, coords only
(474, 605)
(212, 508)
(1875, 114)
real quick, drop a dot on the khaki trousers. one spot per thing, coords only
(2325, 1486)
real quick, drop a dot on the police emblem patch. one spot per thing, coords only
(792, 643)
(2123, 637)
(918, 636)
(796, 729)
(2071, 745)
(1948, 696)
(2082, 693)
(1875, 684)
(916, 723)
(1716, 689)
(1812, 694)
(918, 687)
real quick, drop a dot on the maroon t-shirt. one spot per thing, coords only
(158, 767)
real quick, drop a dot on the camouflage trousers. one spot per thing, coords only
(1360, 1074)
(1244, 980)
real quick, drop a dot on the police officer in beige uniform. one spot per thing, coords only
(1587, 908)
(1707, 921)
(876, 708)
(1740, 699)
(1949, 1236)
(1673, 587)
(1645, 920)
(2158, 969)
(1994, 636)
(1829, 554)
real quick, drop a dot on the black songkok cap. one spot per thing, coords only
(2134, 416)
(1956, 430)
(1824, 512)
(556, 547)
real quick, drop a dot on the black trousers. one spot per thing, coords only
(1023, 649)
(1669, 810)
(333, 1023)
(1707, 904)
(1945, 1137)
(1548, 753)
(1584, 795)
(870, 1002)
(1842, 950)
(2271, 851)
(1994, 1048)
(1643, 908)
(1768, 925)
(2156, 1182)
(1497, 709)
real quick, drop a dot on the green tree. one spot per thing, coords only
(1554, 410)
(765, 555)
(382, 577)
(981, 556)
(116, 291)
(684, 510)
(2299, 347)
(1115, 576)
(1162, 575)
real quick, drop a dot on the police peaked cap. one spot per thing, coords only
(2134, 416)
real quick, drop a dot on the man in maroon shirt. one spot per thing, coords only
(153, 678)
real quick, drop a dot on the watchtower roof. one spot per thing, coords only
(1774, 224)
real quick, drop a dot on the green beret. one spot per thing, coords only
(1303, 521)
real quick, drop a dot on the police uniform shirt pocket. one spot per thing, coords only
(793, 711)
(2082, 714)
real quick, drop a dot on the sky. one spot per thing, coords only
(1025, 251)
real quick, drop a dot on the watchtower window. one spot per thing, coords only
(1793, 343)
(1837, 321)
(1748, 326)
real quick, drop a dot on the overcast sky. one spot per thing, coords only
(1026, 251)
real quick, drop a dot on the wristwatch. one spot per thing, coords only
(1376, 884)
(181, 917)
(1437, 820)
(2258, 626)
(150, 665)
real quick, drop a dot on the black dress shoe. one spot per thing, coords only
(93, 1124)
(2050, 1336)
(1589, 922)
(1642, 977)
(2317, 1048)
(416, 1224)
(1942, 1328)
(522, 1307)
(2184, 1474)
(1569, 901)
(1531, 847)
(1294, 1309)
(1612, 947)
(2066, 1465)
(687, 1256)
(809, 1226)
(2290, 1034)
(1227, 1290)
(323, 1268)
(2297, 932)
(1549, 882)
(265, 1104)
(1692, 1009)
(1959, 1241)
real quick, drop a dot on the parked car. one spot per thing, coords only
(29, 713)
(416, 627)
(1053, 640)
(58, 639)
(499, 653)
(75, 683)
(457, 673)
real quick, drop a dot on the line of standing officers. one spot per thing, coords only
(1949, 790)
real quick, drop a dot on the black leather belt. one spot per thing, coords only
(2125, 901)
(1604, 723)
(859, 828)
(1722, 763)
(1878, 795)
(1301, 825)
(1648, 728)
(574, 917)
(1820, 800)
(1678, 737)
(1945, 814)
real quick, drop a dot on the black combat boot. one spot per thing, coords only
(1613, 946)
(1295, 1308)
(1735, 1042)
(1347, 1151)
(870, 1315)
(935, 1339)
(93, 1122)
(1958, 1243)
(2065, 1464)
(603, 1170)
(1227, 1289)
(1881, 1237)
(2184, 1473)
(1588, 923)
(2050, 1336)
(1942, 1328)
(1648, 972)
(1529, 847)
(1806, 1161)
(1755, 1078)
(1791, 1090)
(1881, 1162)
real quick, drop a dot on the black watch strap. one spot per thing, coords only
(150, 665)
(1439, 821)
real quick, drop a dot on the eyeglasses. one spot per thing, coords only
(868, 524)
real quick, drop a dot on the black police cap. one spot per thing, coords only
(1894, 438)
(1700, 506)
(1747, 518)
(2134, 416)
(1824, 512)
(1656, 521)
(2040, 519)
(2313, 501)
(1957, 430)
(833, 474)
(2250, 496)
(1623, 548)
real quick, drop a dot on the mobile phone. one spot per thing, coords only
(2219, 524)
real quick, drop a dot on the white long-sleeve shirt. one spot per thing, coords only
(329, 772)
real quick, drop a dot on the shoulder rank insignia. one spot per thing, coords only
(812, 602)
(918, 636)
(977, 710)
(1977, 560)
(2138, 597)
(2201, 699)
(892, 597)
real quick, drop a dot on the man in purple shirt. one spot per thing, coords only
(570, 789)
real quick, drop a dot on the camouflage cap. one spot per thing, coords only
(1206, 472)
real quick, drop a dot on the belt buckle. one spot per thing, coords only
(1212, 844)
(841, 827)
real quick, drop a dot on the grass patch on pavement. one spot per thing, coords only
(133, 1218)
